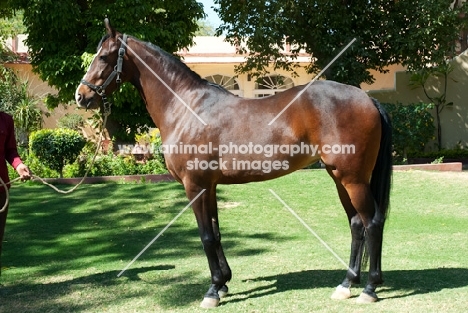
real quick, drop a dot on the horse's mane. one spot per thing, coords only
(171, 59)
(104, 38)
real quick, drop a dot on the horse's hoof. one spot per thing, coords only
(209, 303)
(223, 291)
(366, 298)
(341, 293)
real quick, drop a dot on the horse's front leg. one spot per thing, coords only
(225, 269)
(205, 210)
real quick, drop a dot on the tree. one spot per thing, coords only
(440, 68)
(60, 33)
(205, 29)
(437, 96)
(413, 33)
(16, 100)
(10, 26)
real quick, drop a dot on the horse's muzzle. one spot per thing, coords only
(83, 101)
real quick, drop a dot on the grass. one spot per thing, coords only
(62, 253)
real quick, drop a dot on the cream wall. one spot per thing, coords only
(454, 119)
(40, 89)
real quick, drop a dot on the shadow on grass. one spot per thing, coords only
(42, 297)
(104, 223)
(405, 283)
(53, 238)
(183, 291)
(100, 221)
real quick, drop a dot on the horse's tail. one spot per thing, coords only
(381, 179)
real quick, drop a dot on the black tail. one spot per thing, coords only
(381, 179)
(382, 174)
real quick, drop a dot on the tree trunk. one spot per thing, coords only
(439, 127)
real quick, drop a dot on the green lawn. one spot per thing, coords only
(62, 253)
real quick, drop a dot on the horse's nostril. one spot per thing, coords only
(79, 97)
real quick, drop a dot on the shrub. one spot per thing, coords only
(153, 166)
(56, 147)
(446, 153)
(39, 168)
(71, 120)
(413, 127)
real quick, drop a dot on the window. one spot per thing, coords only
(228, 82)
(272, 84)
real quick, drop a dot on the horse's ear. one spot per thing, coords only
(110, 30)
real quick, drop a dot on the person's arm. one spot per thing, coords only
(11, 153)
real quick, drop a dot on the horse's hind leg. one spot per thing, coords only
(357, 244)
(358, 196)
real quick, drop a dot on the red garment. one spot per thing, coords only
(8, 150)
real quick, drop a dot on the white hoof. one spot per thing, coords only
(341, 293)
(209, 303)
(365, 298)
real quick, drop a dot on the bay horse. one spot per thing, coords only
(216, 138)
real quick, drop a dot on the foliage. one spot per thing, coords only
(60, 32)
(16, 100)
(11, 23)
(39, 168)
(413, 127)
(36, 166)
(113, 165)
(153, 141)
(205, 29)
(105, 164)
(438, 160)
(73, 121)
(414, 33)
(122, 163)
(437, 96)
(10, 26)
(445, 153)
(56, 147)
(9, 92)
(27, 116)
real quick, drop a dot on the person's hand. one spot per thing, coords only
(23, 172)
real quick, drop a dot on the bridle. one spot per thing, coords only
(101, 89)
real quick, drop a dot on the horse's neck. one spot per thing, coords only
(163, 88)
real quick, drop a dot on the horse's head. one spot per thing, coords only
(104, 73)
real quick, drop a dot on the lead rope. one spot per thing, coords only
(106, 113)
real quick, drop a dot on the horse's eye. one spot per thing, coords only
(102, 57)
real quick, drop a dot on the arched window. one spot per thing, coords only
(228, 82)
(272, 84)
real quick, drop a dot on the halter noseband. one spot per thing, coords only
(101, 90)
